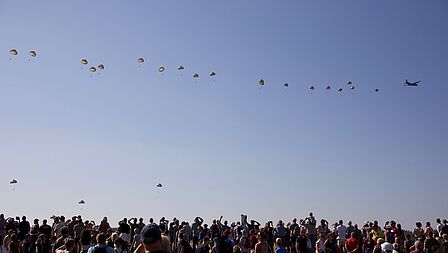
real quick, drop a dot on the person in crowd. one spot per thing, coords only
(351, 244)
(101, 246)
(262, 244)
(24, 228)
(2, 226)
(104, 226)
(431, 245)
(204, 246)
(14, 244)
(302, 243)
(341, 231)
(43, 244)
(368, 244)
(330, 244)
(418, 231)
(280, 248)
(320, 244)
(60, 241)
(418, 247)
(120, 246)
(195, 230)
(68, 247)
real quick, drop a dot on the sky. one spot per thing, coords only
(223, 145)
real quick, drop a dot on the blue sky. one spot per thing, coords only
(225, 146)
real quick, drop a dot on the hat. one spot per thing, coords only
(151, 233)
(387, 247)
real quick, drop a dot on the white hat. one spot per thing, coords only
(387, 247)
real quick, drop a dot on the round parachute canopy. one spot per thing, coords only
(13, 181)
(312, 88)
(349, 83)
(159, 186)
(261, 82)
(141, 60)
(84, 62)
(212, 73)
(13, 52)
(161, 69)
(340, 89)
(101, 66)
(376, 90)
(180, 67)
(33, 53)
(285, 85)
(92, 69)
(352, 87)
(81, 202)
(196, 75)
(328, 87)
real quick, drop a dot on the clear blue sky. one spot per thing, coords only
(225, 147)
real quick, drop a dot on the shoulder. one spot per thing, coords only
(91, 249)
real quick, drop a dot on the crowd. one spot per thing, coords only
(298, 236)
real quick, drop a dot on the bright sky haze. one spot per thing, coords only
(223, 145)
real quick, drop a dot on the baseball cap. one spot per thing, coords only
(387, 247)
(151, 233)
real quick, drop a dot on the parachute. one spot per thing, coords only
(161, 69)
(349, 83)
(180, 68)
(261, 82)
(196, 75)
(13, 182)
(33, 53)
(81, 203)
(312, 88)
(13, 51)
(92, 69)
(101, 66)
(285, 85)
(141, 60)
(159, 187)
(84, 62)
(212, 73)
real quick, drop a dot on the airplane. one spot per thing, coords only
(407, 83)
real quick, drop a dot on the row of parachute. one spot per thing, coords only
(312, 88)
(101, 66)
(13, 182)
(141, 60)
